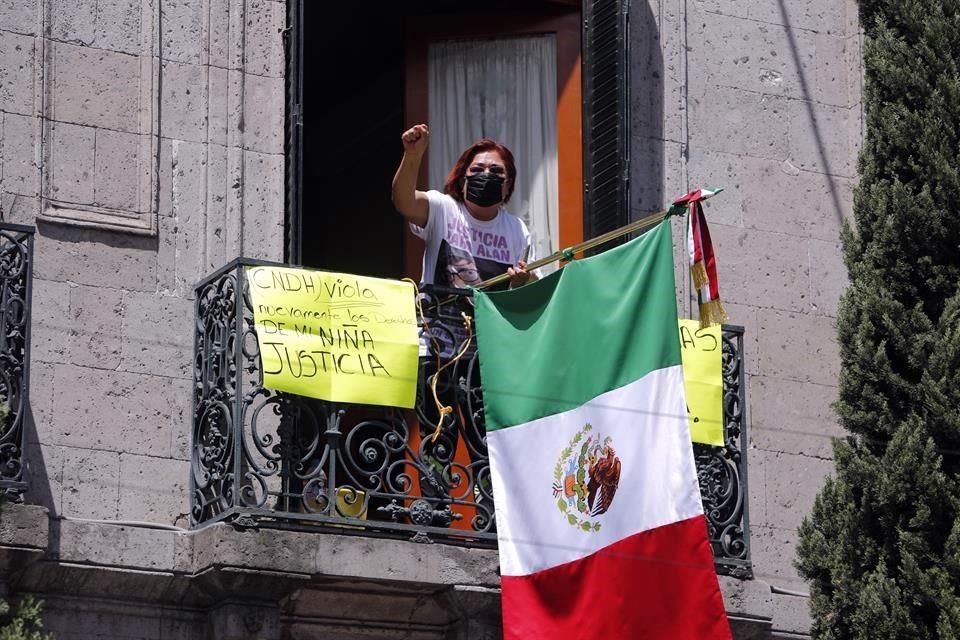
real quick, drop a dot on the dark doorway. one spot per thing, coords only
(352, 120)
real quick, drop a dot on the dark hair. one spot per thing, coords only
(454, 185)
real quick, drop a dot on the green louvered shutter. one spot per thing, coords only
(605, 100)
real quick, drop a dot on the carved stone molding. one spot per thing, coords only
(101, 121)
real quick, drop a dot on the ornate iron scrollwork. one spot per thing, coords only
(281, 460)
(722, 470)
(16, 282)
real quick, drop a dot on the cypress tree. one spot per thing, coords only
(881, 547)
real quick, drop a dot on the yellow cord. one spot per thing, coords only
(442, 409)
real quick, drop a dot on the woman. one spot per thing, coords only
(470, 237)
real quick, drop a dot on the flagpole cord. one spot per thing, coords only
(586, 245)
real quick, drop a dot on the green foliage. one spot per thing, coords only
(22, 622)
(881, 548)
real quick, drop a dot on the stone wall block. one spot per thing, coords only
(234, 108)
(181, 405)
(263, 109)
(21, 172)
(43, 391)
(154, 490)
(183, 30)
(184, 101)
(819, 139)
(779, 197)
(19, 209)
(90, 484)
(16, 72)
(219, 105)
(646, 169)
(74, 149)
(167, 257)
(73, 21)
(165, 178)
(189, 209)
(117, 411)
(757, 477)
(216, 246)
(828, 277)
(96, 87)
(95, 321)
(157, 335)
(19, 16)
(118, 25)
(793, 416)
(792, 483)
(672, 35)
(219, 32)
(50, 330)
(121, 546)
(646, 73)
(733, 8)
(117, 172)
(832, 70)
(770, 563)
(263, 206)
(739, 122)
(236, 26)
(674, 184)
(745, 54)
(761, 268)
(44, 476)
(800, 347)
(815, 15)
(707, 168)
(264, 50)
(96, 258)
(182, 232)
(236, 189)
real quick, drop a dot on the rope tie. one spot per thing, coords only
(442, 409)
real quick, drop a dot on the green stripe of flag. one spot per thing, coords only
(591, 327)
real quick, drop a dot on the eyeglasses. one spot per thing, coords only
(495, 169)
(467, 274)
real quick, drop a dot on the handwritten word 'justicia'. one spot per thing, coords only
(303, 363)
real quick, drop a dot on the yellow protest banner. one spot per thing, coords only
(334, 336)
(702, 351)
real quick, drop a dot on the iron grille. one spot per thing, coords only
(16, 284)
(262, 458)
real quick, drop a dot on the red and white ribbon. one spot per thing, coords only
(703, 262)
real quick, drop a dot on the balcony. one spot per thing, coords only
(266, 459)
(16, 278)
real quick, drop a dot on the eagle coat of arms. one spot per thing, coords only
(586, 478)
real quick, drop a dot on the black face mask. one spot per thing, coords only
(484, 189)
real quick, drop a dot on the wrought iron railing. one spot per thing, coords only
(263, 458)
(16, 282)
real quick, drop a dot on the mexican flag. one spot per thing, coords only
(599, 518)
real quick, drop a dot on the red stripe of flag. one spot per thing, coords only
(655, 585)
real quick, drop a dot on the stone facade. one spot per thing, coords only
(144, 139)
(762, 98)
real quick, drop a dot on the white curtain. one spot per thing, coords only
(504, 89)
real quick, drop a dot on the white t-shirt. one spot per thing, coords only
(463, 251)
